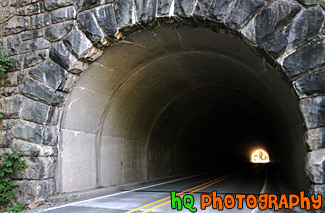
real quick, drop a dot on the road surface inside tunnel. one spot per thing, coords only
(248, 179)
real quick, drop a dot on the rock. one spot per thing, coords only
(16, 46)
(51, 134)
(52, 5)
(88, 25)
(11, 106)
(69, 81)
(202, 9)
(304, 60)
(106, 19)
(30, 190)
(270, 21)
(315, 163)
(7, 124)
(15, 25)
(164, 7)
(124, 11)
(62, 56)
(219, 10)
(311, 85)
(31, 9)
(242, 12)
(313, 110)
(24, 148)
(41, 92)
(31, 34)
(49, 73)
(304, 27)
(5, 139)
(63, 14)
(184, 8)
(36, 57)
(40, 21)
(82, 5)
(146, 10)
(38, 168)
(315, 138)
(58, 31)
(28, 131)
(17, 62)
(308, 2)
(35, 112)
(78, 44)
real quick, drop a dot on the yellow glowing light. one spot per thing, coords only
(260, 156)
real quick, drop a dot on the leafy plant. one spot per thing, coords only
(5, 63)
(10, 162)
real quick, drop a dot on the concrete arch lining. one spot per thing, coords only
(115, 112)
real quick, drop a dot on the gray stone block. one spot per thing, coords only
(63, 14)
(82, 5)
(49, 73)
(313, 110)
(15, 25)
(315, 138)
(68, 82)
(7, 124)
(16, 46)
(308, 2)
(219, 10)
(35, 111)
(36, 57)
(41, 92)
(184, 8)
(31, 34)
(24, 148)
(62, 56)
(270, 21)
(88, 25)
(202, 9)
(31, 9)
(11, 106)
(51, 134)
(124, 11)
(58, 31)
(311, 85)
(38, 168)
(28, 131)
(40, 21)
(106, 19)
(304, 27)
(309, 58)
(315, 166)
(52, 5)
(242, 12)
(164, 7)
(77, 43)
(54, 116)
(30, 190)
(146, 10)
(5, 139)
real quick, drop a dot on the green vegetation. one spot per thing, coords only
(5, 63)
(9, 163)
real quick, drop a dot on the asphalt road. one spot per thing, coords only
(156, 198)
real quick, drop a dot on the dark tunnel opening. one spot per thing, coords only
(221, 130)
(163, 104)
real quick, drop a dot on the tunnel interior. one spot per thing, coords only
(176, 101)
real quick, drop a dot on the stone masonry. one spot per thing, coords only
(51, 42)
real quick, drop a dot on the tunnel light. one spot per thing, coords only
(260, 156)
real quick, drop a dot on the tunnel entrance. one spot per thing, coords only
(174, 101)
(260, 156)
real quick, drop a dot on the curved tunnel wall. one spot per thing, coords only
(162, 104)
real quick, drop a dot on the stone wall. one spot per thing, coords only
(51, 42)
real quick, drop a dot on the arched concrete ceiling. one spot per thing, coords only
(152, 102)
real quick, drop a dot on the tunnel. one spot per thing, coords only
(176, 101)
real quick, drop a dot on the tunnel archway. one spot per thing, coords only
(161, 103)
